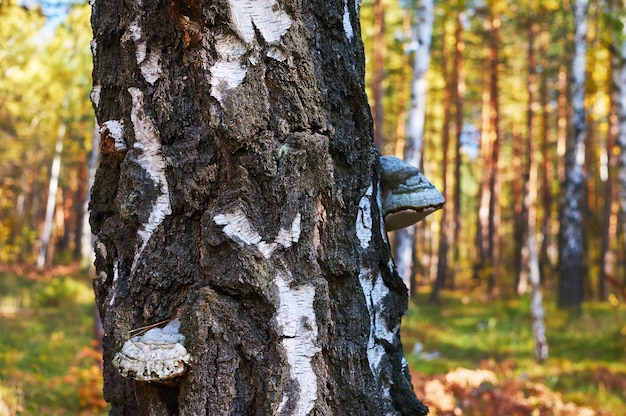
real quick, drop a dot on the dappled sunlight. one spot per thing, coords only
(49, 363)
(496, 135)
(481, 392)
(484, 363)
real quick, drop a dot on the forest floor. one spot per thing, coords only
(48, 362)
(466, 356)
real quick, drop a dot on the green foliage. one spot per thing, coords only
(45, 80)
(587, 353)
(553, 47)
(61, 292)
(47, 362)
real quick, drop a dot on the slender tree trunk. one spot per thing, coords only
(378, 74)
(458, 123)
(53, 186)
(20, 213)
(489, 211)
(619, 81)
(419, 85)
(57, 238)
(520, 220)
(79, 213)
(530, 202)
(494, 185)
(527, 215)
(571, 240)
(609, 217)
(548, 170)
(563, 107)
(86, 237)
(482, 220)
(443, 245)
(238, 200)
(404, 92)
(404, 247)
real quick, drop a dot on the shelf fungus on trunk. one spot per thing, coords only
(159, 355)
(407, 196)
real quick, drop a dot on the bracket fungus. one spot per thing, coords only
(407, 196)
(158, 355)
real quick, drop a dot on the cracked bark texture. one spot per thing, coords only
(241, 196)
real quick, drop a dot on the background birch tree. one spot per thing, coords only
(238, 201)
(572, 242)
(404, 239)
(619, 84)
(530, 201)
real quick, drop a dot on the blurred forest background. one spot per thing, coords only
(526, 148)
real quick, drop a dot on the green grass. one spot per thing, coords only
(48, 365)
(47, 362)
(587, 363)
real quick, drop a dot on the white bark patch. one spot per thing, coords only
(151, 159)
(265, 16)
(248, 16)
(100, 248)
(95, 95)
(286, 237)
(116, 131)
(116, 276)
(297, 324)
(364, 219)
(94, 46)
(347, 24)
(277, 54)
(375, 290)
(158, 355)
(379, 202)
(149, 62)
(229, 71)
(238, 228)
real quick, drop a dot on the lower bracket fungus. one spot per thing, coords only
(158, 355)
(407, 196)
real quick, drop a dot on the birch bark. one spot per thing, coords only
(53, 187)
(238, 200)
(404, 247)
(619, 82)
(571, 237)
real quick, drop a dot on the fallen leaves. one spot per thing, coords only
(481, 392)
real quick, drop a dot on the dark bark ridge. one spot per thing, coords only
(245, 204)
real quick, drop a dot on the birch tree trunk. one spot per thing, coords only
(547, 166)
(404, 247)
(494, 182)
(378, 72)
(619, 82)
(86, 237)
(238, 201)
(443, 243)
(571, 238)
(537, 310)
(459, 103)
(489, 210)
(609, 208)
(44, 256)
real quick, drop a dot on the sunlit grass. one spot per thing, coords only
(587, 363)
(47, 364)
